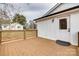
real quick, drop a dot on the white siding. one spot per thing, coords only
(64, 6)
(14, 26)
(5, 27)
(48, 29)
(74, 28)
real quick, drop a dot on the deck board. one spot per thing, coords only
(35, 47)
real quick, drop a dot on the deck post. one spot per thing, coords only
(24, 34)
(77, 49)
(0, 36)
(78, 39)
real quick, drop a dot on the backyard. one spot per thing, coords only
(24, 31)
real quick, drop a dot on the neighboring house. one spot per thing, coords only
(5, 27)
(13, 26)
(60, 23)
(4, 22)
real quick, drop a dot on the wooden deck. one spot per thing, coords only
(35, 47)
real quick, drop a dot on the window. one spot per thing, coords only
(5, 26)
(18, 27)
(63, 23)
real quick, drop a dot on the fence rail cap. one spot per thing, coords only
(19, 30)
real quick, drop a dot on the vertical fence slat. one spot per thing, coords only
(0, 36)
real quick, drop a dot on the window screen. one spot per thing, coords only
(63, 23)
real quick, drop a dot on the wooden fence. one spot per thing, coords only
(9, 35)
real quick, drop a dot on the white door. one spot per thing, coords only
(64, 29)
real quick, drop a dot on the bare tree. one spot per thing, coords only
(6, 11)
(32, 25)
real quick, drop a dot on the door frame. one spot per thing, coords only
(68, 26)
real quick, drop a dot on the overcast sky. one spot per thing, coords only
(33, 10)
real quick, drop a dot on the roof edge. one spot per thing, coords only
(52, 9)
(58, 12)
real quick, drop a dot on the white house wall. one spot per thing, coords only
(48, 29)
(64, 6)
(74, 28)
